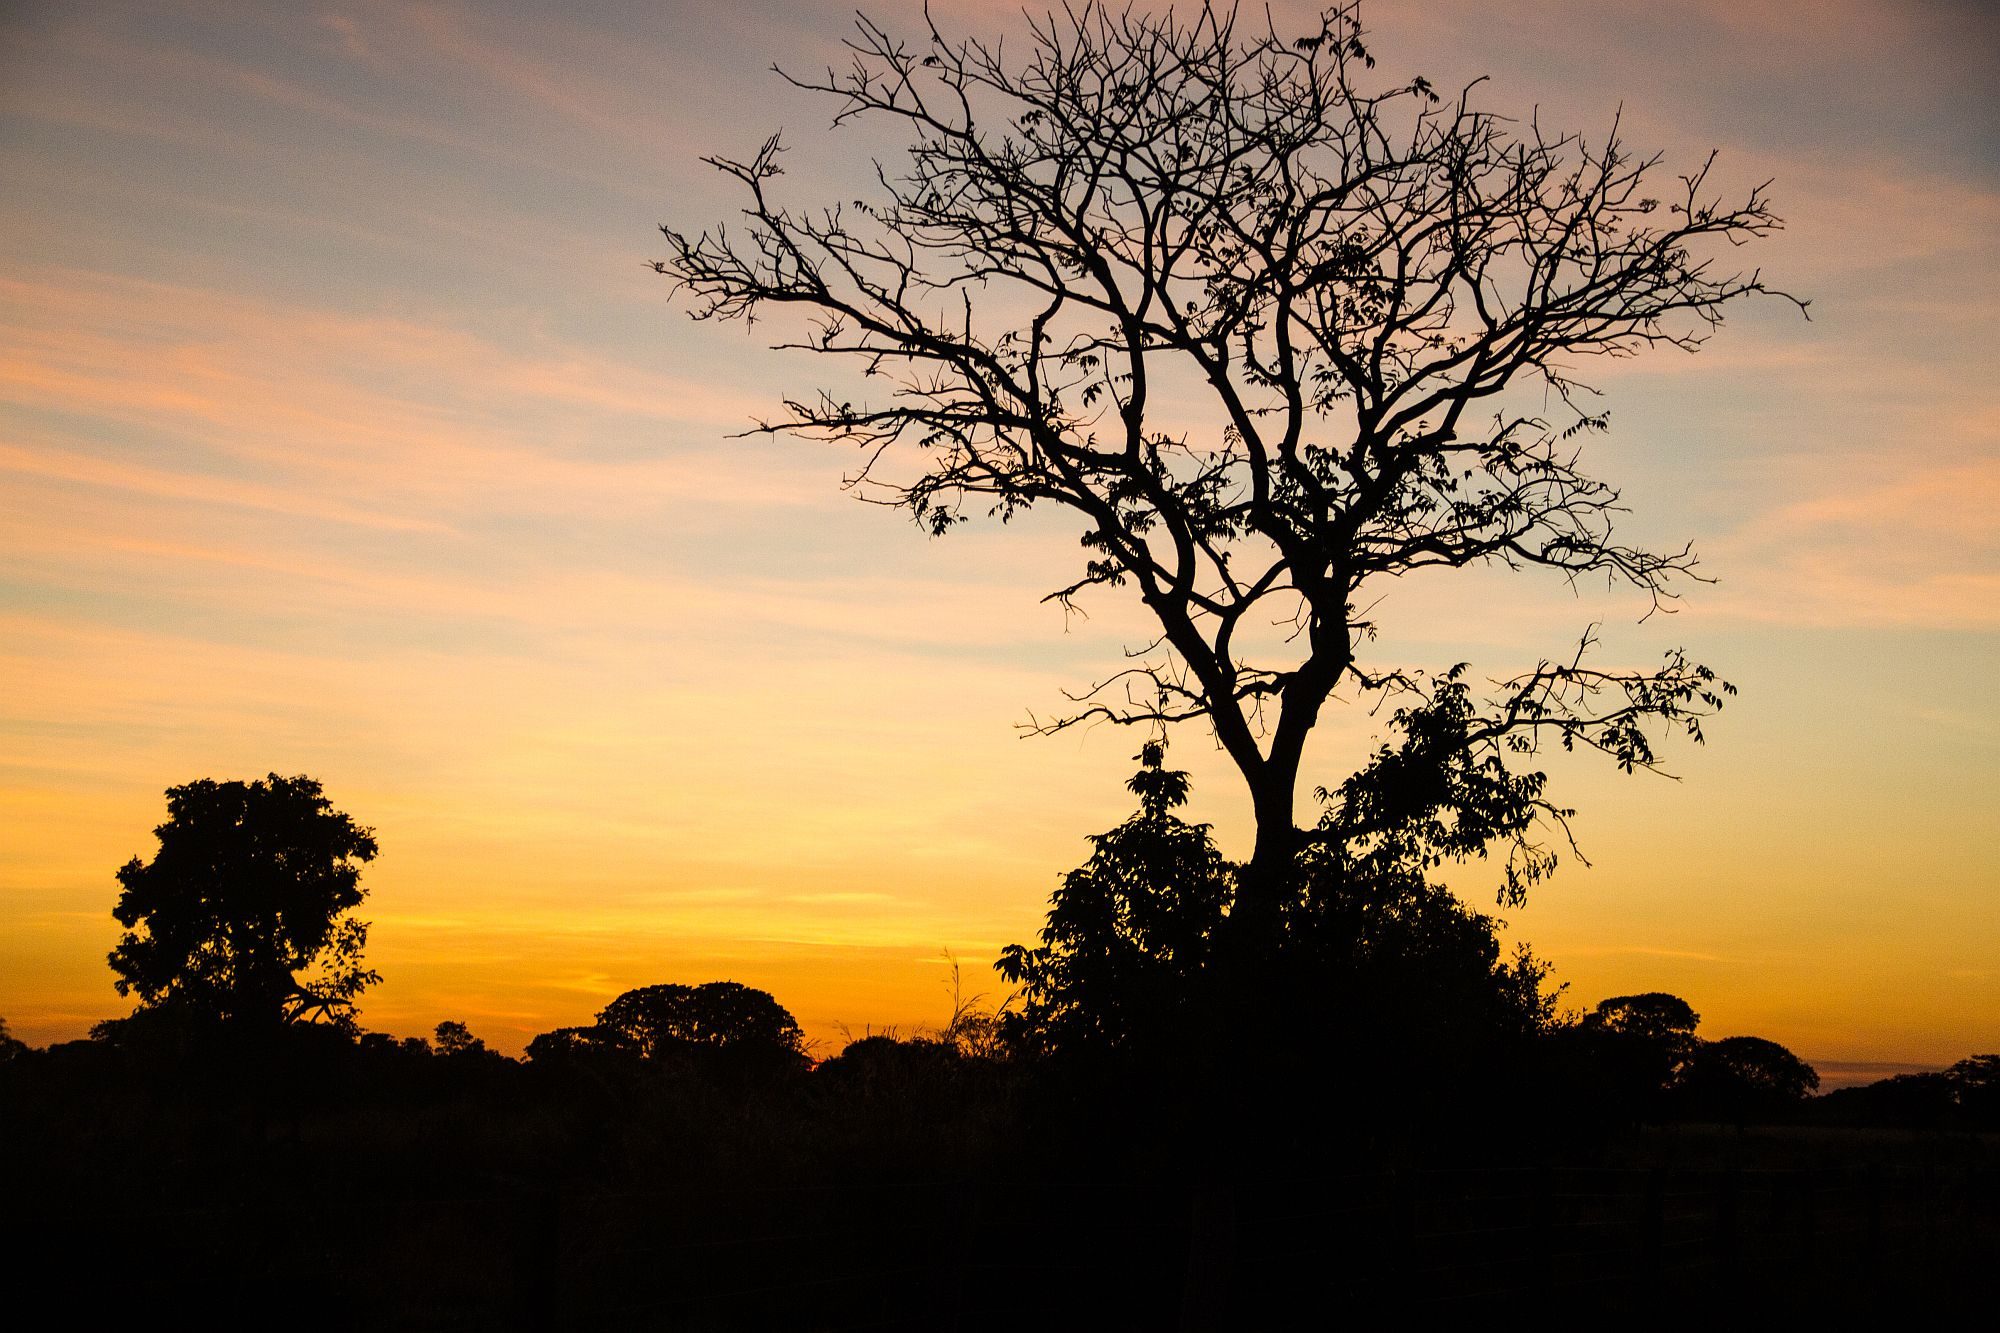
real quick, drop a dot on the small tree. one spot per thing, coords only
(455, 1038)
(241, 916)
(1376, 964)
(1381, 299)
(11, 1047)
(1131, 933)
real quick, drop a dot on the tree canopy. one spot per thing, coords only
(655, 1020)
(1374, 961)
(1381, 299)
(668, 1022)
(242, 917)
(1741, 1075)
(1131, 933)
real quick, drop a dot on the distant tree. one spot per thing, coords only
(1975, 1087)
(241, 916)
(1744, 1077)
(571, 1043)
(1639, 1047)
(1924, 1100)
(11, 1047)
(1277, 331)
(658, 1022)
(455, 1038)
(1664, 1020)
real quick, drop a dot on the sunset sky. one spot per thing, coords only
(345, 431)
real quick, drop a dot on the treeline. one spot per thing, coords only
(1155, 1091)
(1373, 1002)
(683, 1162)
(1633, 1059)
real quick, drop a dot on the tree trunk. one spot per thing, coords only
(1266, 878)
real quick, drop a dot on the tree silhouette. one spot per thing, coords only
(1373, 292)
(1659, 1019)
(11, 1046)
(455, 1038)
(249, 890)
(673, 1023)
(1975, 1088)
(572, 1043)
(1641, 1046)
(1739, 1078)
(1130, 933)
(1374, 961)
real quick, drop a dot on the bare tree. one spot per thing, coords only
(1350, 272)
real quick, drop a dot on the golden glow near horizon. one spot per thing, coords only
(342, 431)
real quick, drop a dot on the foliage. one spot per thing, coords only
(1655, 1017)
(1129, 933)
(1975, 1087)
(1638, 1048)
(976, 1029)
(717, 1025)
(1374, 962)
(657, 1021)
(249, 890)
(1736, 1078)
(1444, 793)
(455, 1038)
(10, 1045)
(573, 1043)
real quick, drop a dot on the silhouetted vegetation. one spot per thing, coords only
(1963, 1097)
(1430, 1127)
(1275, 330)
(1222, 1093)
(250, 888)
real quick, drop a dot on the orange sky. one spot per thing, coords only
(343, 431)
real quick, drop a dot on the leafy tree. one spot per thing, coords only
(658, 1022)
(1740, 1078)
(1640, 1047)
(569, 1044)
(1975, 1087)
(1380, 298)
(1130, 933)
(1376, 966)
(11, 1047)
(455, 1038)
(241, 916)
(1908, 1101)
(1659, 1019)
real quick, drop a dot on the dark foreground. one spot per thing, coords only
(917, 1190)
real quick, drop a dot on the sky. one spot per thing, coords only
(344, 430)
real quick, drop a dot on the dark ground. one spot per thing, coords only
(477, 1193)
